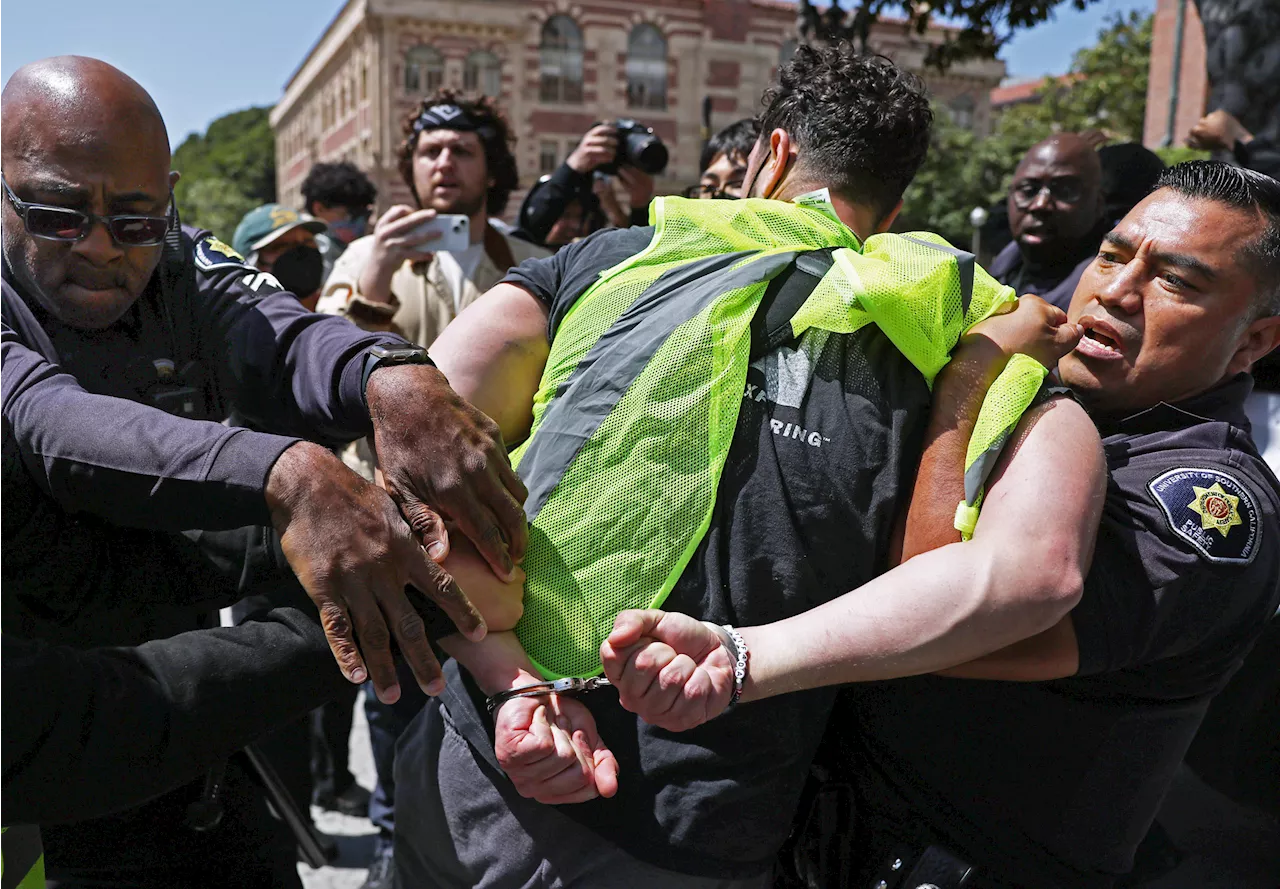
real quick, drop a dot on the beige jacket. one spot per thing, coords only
(422, 305)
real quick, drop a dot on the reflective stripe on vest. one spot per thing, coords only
(639, 400)
(22, 858)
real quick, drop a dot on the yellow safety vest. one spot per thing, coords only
(639, 399)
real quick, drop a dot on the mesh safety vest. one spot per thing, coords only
(22, 862)
(639, 399)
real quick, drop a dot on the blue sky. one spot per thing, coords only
(203, 60)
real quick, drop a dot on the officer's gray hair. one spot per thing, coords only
(1246, 190)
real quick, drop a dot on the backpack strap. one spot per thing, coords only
(786, 294)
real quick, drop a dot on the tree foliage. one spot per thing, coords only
(984, 26)
(1107, 87)
(1106, 90)
(227, 171)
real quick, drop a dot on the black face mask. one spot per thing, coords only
(299, 270)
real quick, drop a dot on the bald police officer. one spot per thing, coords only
(123, 337)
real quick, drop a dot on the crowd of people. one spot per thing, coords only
(730, 539)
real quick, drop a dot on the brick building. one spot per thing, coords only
(1177, 57)
(558, 66)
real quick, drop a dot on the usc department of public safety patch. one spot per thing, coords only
(211, 253)
(1211, 511)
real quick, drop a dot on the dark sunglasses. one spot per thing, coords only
(712, 192)
(1062, 191)
(61, 224)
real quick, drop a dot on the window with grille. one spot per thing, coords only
(961, 108)
(560, 60)
(482, 74)
(646, 68)
(423, 70)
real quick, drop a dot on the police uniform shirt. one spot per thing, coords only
(1054, 784)
(99, 486)
(1054, 284)
(827, 442)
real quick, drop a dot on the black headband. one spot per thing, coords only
(451, 117)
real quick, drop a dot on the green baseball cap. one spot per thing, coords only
(264, 224)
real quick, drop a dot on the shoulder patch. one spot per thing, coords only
(1210, 510)
(211, 253)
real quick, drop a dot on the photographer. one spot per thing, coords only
(724, 161)
(607, 149)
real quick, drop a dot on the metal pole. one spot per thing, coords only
(1175, 83)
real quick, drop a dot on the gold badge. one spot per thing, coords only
(218, 247)
(1217, 509)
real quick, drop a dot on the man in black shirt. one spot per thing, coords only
(1054, 783)
(1056, 216)
(799, 519)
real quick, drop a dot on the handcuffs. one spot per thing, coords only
(569, 685)
(730, 638)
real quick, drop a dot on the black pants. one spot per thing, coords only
(387, 722)
(151, 847)
(331, 745)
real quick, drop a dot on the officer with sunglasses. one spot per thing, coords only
(125, 339)
(1057, 218)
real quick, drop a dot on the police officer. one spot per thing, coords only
(1054, 783)
(122, 337)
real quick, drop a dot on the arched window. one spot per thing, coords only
(787, 50)
(646, 68)
(961, 108)
(560, 60)
(482, 74)
(423, 70)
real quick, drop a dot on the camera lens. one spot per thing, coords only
(646, 151)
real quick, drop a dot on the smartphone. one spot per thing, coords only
(455, 233)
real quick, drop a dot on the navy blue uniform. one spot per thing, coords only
(1054, 784)
(101, 484)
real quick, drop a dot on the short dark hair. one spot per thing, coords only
(338, 185)
(495, 135)
(735, 140)
(860, 123)
(1245, 190)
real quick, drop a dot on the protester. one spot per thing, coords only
(1056, 215)
(724, 161)
(123, 338)
(1054, 783)
(456, 158)
(342, 197)
(275, 239)
(802, 516)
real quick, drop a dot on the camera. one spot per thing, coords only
(638, 146)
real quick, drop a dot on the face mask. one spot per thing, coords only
(299, 270)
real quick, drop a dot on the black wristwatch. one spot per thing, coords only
(383, 356)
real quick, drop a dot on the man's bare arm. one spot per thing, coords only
(493, 355)
(1018, 577)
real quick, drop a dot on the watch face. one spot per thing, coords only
(403, 353)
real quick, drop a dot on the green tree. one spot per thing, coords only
(984, 25)
(1105, 90)
(227, 171)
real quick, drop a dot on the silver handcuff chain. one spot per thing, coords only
(569, 685)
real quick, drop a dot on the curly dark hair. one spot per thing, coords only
(860, 124)
(338, 185)
(736, 140)
(499, 158)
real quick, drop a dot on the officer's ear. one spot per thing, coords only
(883, 225)
(1259, 338)
(174, 176)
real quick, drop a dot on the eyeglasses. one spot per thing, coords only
(1065, 190)
(704, 192)
(61, 224)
